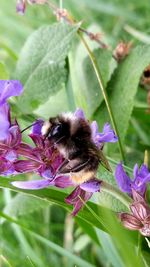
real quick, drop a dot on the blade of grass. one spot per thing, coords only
(102, 88)
(5, 261)
(73, 258)
(26, 248)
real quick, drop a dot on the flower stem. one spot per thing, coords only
(99, 78)
(139, 244)
(108, 188)
(61, 4)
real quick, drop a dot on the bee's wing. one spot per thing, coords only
(104, 161)
(74, 165)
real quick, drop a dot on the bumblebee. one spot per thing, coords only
(72, 137)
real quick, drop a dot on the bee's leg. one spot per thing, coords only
(74, 165)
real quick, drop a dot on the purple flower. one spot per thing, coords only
(21, 5)
(106, 136)
(5, 121)
(44, 160)
(79, 113)
(9, 88)
(9, 147)
(10, 136)
(6, 167)
(82, 193)
(140, 178)
(98, 138)
(139, 218)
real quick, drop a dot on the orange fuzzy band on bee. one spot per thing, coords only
(81, 177)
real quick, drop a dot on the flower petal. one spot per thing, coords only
(139, 210)
(141, 177)
(85, 196)
(63, 181)
(24, 166)
(47, 173)
(122, 180)
(145, 230)
(36, 127)
(36, 184)
(136, 196)
(6, 167)
(75, 199)
(20, 7)
(9, 88)
(92, 185)
(107, 135)
(129, 221)
(4, 121)
(28, 152)
(135, 171)
(14, 139)
(71, 199)
(11, 155)
(38, 140)
(143, 171)
(79, 113)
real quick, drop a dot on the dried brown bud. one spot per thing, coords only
(63, 14)
(94, 36)
(145, 78)
(121, 50)
(139, 219)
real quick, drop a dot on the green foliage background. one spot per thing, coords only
(52, 64)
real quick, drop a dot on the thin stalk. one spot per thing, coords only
(61, 4)
(139, 244)
(99, 78)
(116, 193)
(61, 8)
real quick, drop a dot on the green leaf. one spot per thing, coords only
(41, 66)
(81, 243)
(53, 196)
(21, 205)
(73, 258)
(109, 249)
(123, 87)
(107, 65)
(3, 72)
(88, 229)
(106, 199)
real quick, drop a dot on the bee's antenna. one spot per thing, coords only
(28, 127)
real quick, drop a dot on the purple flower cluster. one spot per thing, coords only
(42, 158)
(139, 216)
(140, 178)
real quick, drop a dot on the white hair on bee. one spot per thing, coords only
(45, 127)
(69, 116)
(73, 119)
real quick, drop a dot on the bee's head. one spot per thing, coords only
(55, 130)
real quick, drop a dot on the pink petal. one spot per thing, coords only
(139, 210)
(24, 166)
(130, 222)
